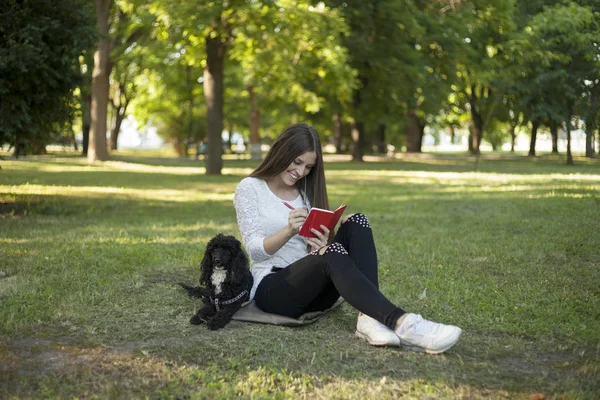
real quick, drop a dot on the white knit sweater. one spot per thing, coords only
(260, 213)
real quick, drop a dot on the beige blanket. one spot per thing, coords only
(251, 313)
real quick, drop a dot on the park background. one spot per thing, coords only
(372, 77)
(465, 130)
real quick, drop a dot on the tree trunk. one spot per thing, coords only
(114, 136)
(86, 121)
(180, 147)
(19, 149)
(470, 139)
(213, 94)
(534, 128)
(99, 107)
(477, 119)
(381, 144)
(37, 147)
(337, 132)
(120, 112)
(554, 135)
(73, 139)
(190, 83)
(513, 138)
(357, 134)
(453, 138)
(255, 152)
(569, 154)
(86, 100)
(590, 125)
(357, 129)
(414, 136)
(229, 137)
(477, 132)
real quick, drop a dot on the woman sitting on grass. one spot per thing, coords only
(290, 281)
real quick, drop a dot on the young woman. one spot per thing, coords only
(289, 280)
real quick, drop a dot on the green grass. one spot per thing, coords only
(507, 248)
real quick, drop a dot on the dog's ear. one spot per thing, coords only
(206, 263)
(205, 268)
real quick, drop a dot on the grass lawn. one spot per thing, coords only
(508, 249)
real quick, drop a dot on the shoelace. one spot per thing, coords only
(416, 326)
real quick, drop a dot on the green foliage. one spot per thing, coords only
(40, 42)
(497, 134)
(290, 52)
(556, 70)
(568, 36)
(484, 65)
(448, 63)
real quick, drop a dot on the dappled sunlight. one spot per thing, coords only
(197, 227)
(242, 172)
(108, 166)
(196, 233)
(387, 387)
(62, 362)
(172, 195)
(452, 178)
(79, 165)
(506, 188)
(563, 195)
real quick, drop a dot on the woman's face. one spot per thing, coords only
(299, 168)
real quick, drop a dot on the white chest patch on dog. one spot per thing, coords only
(217, 279)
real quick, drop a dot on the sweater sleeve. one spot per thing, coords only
(246, 203)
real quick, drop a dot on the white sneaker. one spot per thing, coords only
(374, 332)
(419, 334)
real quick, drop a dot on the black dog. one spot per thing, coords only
(225, 282)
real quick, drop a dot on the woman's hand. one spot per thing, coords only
(320, 240)
(296, 219)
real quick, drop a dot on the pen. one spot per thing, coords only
(285, 203)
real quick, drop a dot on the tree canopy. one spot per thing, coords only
(364, 73)
(40, 43)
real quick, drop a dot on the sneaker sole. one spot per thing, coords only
(429, 351)
(374, 343)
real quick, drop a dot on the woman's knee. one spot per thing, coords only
(333, 248)
(347, 217)
(358, 218)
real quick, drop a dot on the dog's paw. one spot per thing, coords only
(214, 325)
(196, 320)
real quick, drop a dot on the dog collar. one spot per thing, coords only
(226, 302)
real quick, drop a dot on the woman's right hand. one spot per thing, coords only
(296, 219)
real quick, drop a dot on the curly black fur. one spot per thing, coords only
(223, 255)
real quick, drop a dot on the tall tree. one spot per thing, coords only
(483, 67)
(131, 26)
(436, 45)
(291, 54)
(97, 149)
(85, 97)
(566, 35)
(217, 41)
(210, 26)
(383, 59)
(40, 43)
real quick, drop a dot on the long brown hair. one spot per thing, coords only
(294, 141)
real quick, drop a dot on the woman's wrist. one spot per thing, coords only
(289, 232)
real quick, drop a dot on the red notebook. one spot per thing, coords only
(317, 217)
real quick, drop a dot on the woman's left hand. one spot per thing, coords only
(321, 239)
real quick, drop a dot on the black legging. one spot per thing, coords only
(348, 268)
